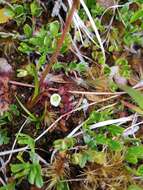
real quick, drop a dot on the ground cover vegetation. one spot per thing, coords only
(71, 102)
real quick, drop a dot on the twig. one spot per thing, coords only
(76, 91)
(2, 181)
(106, 107)
(95, 93)
(7, 152)
(21, 84)
(114, 7)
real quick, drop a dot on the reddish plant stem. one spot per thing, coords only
(16, 83)
(61, 40)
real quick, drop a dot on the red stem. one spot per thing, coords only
(61, 40)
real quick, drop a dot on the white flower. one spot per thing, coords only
(55, 100)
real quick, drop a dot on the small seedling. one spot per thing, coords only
(31, 171)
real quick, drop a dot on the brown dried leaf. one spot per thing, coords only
(55, 78)
(136, 64)
(63, 127)
(100, 84)
(93, 98)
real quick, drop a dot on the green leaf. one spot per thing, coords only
(134, 187)
(38, 180)
(10, 186)
(58, 66)
(4, 139)
(124, 67)
(133, 154)
(140, 170)
(26, 140)
(135, 94)
(90, 141)
(33, 72)
(35, 175)
(19, 10)
(9, 11)
(32, 174)
(115, 130)
(62, 186)
(22, 173)
(94, 117)
(64, 144)
(96, 157)
(79, 159)
(36, 9)
(36, 41)
(32, 171)
(54, 28)
(18, 167)
(114, 145)
(14, 110)
(27, 30)
(137, 15)
(47, 42)
(101, 139)
(26, 110)
(66, 44)
(131, 158)
(137, 150)
(25, 48)
(42, 60)
(88, 156)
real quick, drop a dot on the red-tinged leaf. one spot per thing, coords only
(133, 107)
(136, 95)
(5, 71)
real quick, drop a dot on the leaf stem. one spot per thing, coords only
(61, 40)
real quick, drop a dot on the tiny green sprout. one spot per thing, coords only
(22, 73)
(55, 100)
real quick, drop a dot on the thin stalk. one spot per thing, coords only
(61, 40)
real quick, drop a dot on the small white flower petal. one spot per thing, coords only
(55, 100)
